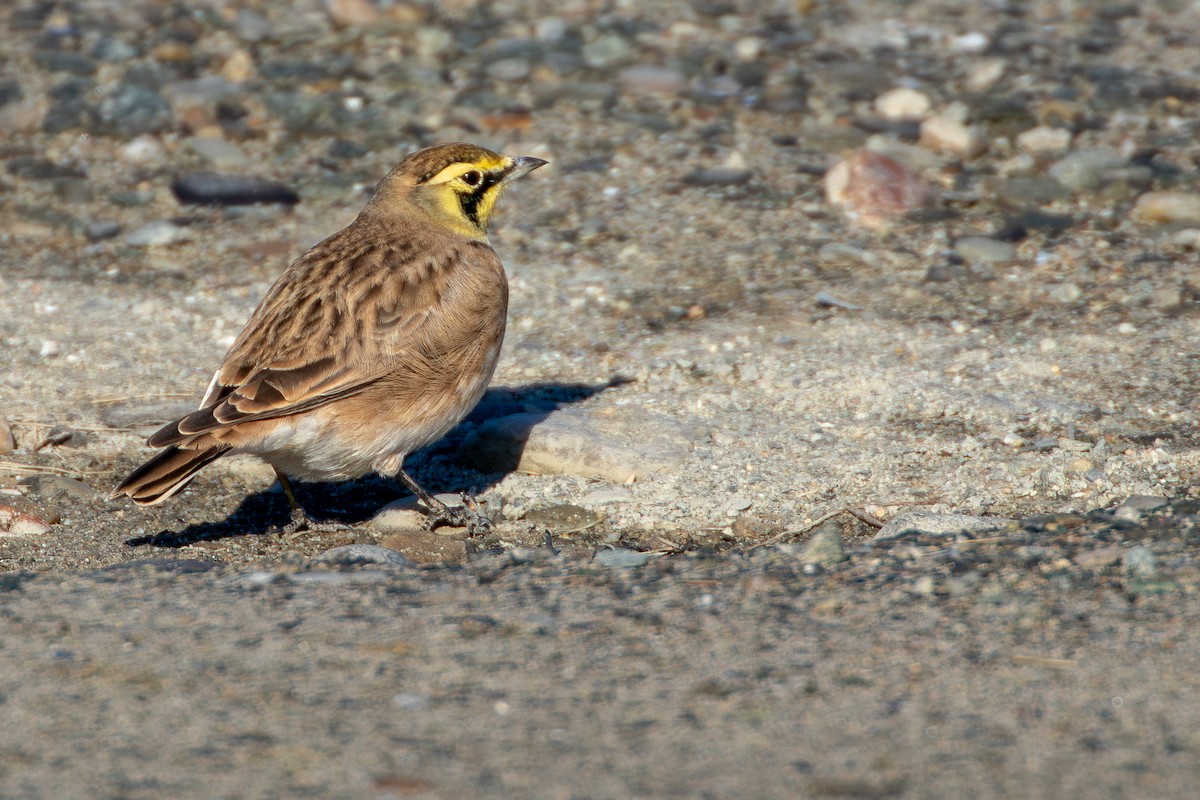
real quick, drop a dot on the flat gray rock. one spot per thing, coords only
(938, 524)
(616, 443)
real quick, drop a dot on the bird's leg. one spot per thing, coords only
(301, 519)
(463, 516)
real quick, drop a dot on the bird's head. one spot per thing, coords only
(455, 183)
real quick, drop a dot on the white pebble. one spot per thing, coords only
(903, 103)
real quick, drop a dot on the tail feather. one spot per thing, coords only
(166, 473)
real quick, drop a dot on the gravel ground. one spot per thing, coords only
(722, 378)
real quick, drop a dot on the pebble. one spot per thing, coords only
(41, 169)
(408, 514)
(143, 149)
(220, 153)
(948, 135)
(132, 110)
(903, 103)
(982, 250)
(55, 487)
(622, 558)
(616, 443)
(984, 74)
(938, 524)
(871, 189)
(1099, 557)
(8, 442)
(99, 231)
(509, 69)
(1139, 563)
(718, 176)
(1167, 207)
(357, 554)
(347, 13)
(250, 26)
(1042, 140)
(825, 548)
(1030, 190)
(649, 79)
(1086, 170)
(217, 188)
(1065, 293)
(158, 233)
(14, 522)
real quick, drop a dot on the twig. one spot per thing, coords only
(779, 537)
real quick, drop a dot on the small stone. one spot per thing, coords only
(144, 149)
(1188, 238)
(358, 554)
(984, 74)
(220, 153)
(159, 233)
(939, 524)
(903, 103)
(218, 188)
(1086, 170)
(622, 558)
(99, 231)
(41, 169)
(1099, 557)
(1167, 207)
(1166, 297)
(872, 189)
(1042, 140)
(982, 250)
(133, 110)
(1031, 190)
(970, 43)
(825, 548)
(351, 13)
(509, 69)
(649, 79)
(250, 26)
(738, 503)
(617, 443)
(1065, 293)
(54, 487)
(1139, 563)
(14, 522)
(607, 50)
(951, 136)
(1145, 502)
(550, 29)
(8, 442)
(407, 514)
(238, 67)
(718, 176)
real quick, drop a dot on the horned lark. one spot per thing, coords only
(371, 345)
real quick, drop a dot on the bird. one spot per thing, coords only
(371, 345)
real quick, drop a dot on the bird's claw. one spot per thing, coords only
(464, 516)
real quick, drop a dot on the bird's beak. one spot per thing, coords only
(522, 165)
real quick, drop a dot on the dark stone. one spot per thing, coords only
(64, 61)
(231, 190)
(134, 110)
(40, 169)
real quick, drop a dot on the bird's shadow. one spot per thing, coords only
(356, 501)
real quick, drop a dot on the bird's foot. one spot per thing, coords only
(464, 516)
(302, 522)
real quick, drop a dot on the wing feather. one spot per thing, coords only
(306, 346)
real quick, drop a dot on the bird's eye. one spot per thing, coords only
(472, 178)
